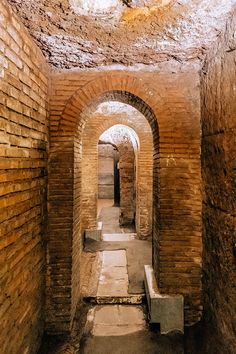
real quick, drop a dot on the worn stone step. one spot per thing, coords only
(133, 299)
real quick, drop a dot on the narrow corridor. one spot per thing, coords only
(118, 322)
(132, 102)
(115, 313)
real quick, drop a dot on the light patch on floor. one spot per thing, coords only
(115, 320)
(104, 203)
(118, 237)
(113, 279)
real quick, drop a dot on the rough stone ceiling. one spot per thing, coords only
(93, 33)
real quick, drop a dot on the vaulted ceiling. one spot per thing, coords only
(91, 33)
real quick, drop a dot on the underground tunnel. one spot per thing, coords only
(117, 177)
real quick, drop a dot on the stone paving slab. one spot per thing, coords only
(113, 280)
(114, 259)
(142, 342)
(115, 320)
(110, 220)
(138, 253)
(119, 237)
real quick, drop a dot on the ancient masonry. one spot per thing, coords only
(44, 124)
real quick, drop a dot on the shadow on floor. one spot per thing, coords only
(142, 342)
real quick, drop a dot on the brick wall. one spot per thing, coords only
(23, 160)
(105, 171)
(127, 182)
(171, 104)
(219, 207)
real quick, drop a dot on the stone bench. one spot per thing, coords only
(95, 235)
(167, 310)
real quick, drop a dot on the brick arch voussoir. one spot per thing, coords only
(126, 89)
(107, 125)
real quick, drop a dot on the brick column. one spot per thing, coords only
(60, 232)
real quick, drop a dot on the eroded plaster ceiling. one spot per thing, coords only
(114, 107)
(120, 134)
(93, 33)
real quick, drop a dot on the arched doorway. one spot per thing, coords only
(96, 124)
(72, 156)
(124, 143)
(176, 195)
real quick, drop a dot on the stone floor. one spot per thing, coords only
(109, 215)
(115, 328)
(113, 280)
(103, 203)
(119, 237)
(117, 324)
(116, 320)
(140, 342)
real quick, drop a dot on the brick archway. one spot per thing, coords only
(95, 126)
(110, 87)
(176, 193)
(127, 152)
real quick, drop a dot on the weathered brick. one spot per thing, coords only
(22, 191)
(176, 174)
(219, 207)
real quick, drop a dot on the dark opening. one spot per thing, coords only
(116, 180)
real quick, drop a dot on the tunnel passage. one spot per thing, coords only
(124, 166)
(104, 118)
(117, 155)
(172, 215)
(168, 81)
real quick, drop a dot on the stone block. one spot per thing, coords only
(168, 310)
(95, 235)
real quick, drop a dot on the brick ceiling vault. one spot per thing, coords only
(80, 104)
